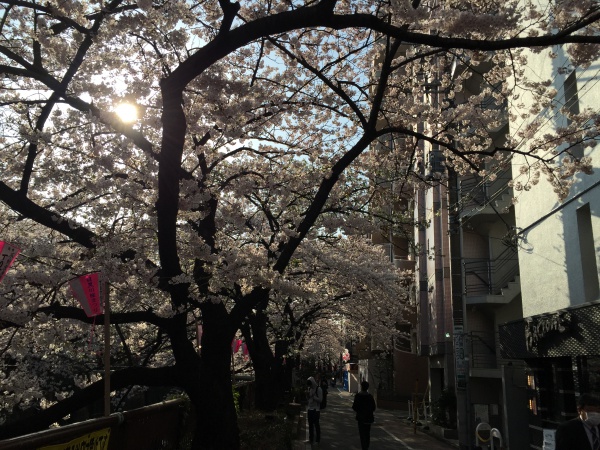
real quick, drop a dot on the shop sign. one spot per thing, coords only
(539, 328)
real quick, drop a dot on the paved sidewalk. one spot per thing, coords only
(389, 432)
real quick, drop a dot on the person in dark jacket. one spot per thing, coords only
(364, 405)
(581, 433)
(314, 397)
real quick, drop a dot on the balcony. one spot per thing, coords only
(405, 264)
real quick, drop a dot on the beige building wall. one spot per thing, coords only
(554, 272)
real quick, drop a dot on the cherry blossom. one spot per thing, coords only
(267, 138)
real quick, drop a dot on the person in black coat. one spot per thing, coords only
(578, 433)
(364, 405)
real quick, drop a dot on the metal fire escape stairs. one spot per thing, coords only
(490, 281)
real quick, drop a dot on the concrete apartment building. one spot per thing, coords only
(399, 376)
(468, 276)
(557, 339)
(466, 279)
(507, 292)
(509, 310)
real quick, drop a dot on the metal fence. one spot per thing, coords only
(419, 411)
(155, 427)
(477, 192)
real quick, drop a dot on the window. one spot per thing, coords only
(572, 105)
(589, 267)
(571, 96)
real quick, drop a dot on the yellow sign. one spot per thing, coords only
(98, 440)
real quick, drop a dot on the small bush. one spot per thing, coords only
(443, 410)
(265, 432)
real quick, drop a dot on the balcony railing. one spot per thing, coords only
(477, 192)
(488, 277)
(482, 346)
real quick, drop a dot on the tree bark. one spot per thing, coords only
(267, 367)
(216, 419)
(261, 362)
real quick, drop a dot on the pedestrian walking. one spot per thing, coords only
(314, 396)
(581, 433)
(364, 405)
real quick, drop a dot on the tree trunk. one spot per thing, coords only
(216, 419)
(271, 380)
(267, 393)
(267, 367)
(285, 364)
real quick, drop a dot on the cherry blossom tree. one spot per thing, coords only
(261, 126)
(354, 283)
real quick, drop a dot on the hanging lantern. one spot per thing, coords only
(88, 289)
(346, 355)
(8, 254)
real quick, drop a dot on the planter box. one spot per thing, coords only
(293, 409)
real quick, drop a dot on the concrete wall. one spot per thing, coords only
(408, 369)
(549, 249)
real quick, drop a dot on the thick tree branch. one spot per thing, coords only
(230, 10)
(321, 197)
(21, 204)
(72, 312)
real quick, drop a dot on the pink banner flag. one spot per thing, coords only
(89, 291)
(8, 254)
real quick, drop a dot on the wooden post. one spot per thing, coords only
(106, 350)
(415, 406)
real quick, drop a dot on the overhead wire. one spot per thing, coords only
(585, 90)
